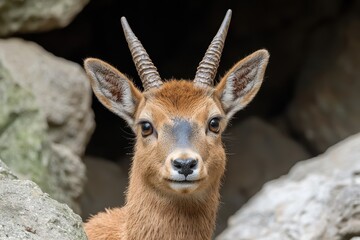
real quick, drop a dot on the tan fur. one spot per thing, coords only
(150, 213)
(154, 208)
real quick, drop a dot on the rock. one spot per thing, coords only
(257, 153)
(35, 16)
(25, 144)
(317, 200)
(325, 108)
(22, 131)
(70, 173)
(5, 173)
(105, 187)
(28, 213)
(60, 87)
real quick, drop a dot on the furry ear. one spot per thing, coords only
(113, 89)
(239, 86)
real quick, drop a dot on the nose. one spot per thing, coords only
(185, 166)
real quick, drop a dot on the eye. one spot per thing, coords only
(146, 129)
(214, 125)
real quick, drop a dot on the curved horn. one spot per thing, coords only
(148, 73)
(207, 68)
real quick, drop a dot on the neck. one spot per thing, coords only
(153, 215)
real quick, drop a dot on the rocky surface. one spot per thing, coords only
(257, 152)
(45, 119)
(37, 15)
(325, 109)
(317, 200)
(60, 87)
(28, 213)
(69, 172)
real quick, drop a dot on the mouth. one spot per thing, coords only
(183, 181)
(183, 186)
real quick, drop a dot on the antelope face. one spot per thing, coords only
(179, 128)
(178, 123)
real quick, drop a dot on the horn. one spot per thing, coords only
(148, 73)
(207, 68)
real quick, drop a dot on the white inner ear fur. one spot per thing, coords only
(124, 107)
(243, 81)
(112, 88)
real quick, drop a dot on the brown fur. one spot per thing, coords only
(150, 213)
(154, 208)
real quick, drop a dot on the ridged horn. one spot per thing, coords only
(207, 68)
(148, 73)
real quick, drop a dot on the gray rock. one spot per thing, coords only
(37, 15)
(318, 200)
(60, 88)
(28, 213)
(70, 174)
(257, 152)
(325, 109)
(23, 143)
(26, 147)
(5, 172)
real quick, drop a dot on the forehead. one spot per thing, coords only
(181, 99)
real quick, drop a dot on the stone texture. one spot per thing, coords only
(61, 89)
(318, 200)
(5, 172)
(325, 109)
(27, 142)
(70, 174)
(37, 15)
(105, 187)
(28, 213)
(257, 152)
(22, 131)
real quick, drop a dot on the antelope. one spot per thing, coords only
(179, 159)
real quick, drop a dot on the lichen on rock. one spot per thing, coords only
(28, 213)
(22, 131)
(26, 140)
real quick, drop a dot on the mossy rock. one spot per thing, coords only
(24, 144)
(28, 213)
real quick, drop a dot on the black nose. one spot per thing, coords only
(185, 166)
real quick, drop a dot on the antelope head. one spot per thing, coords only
(178, 124)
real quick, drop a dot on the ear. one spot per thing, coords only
(239, 86)
(113, 89)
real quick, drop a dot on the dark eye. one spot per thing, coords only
(214, 125)
(146, 129)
